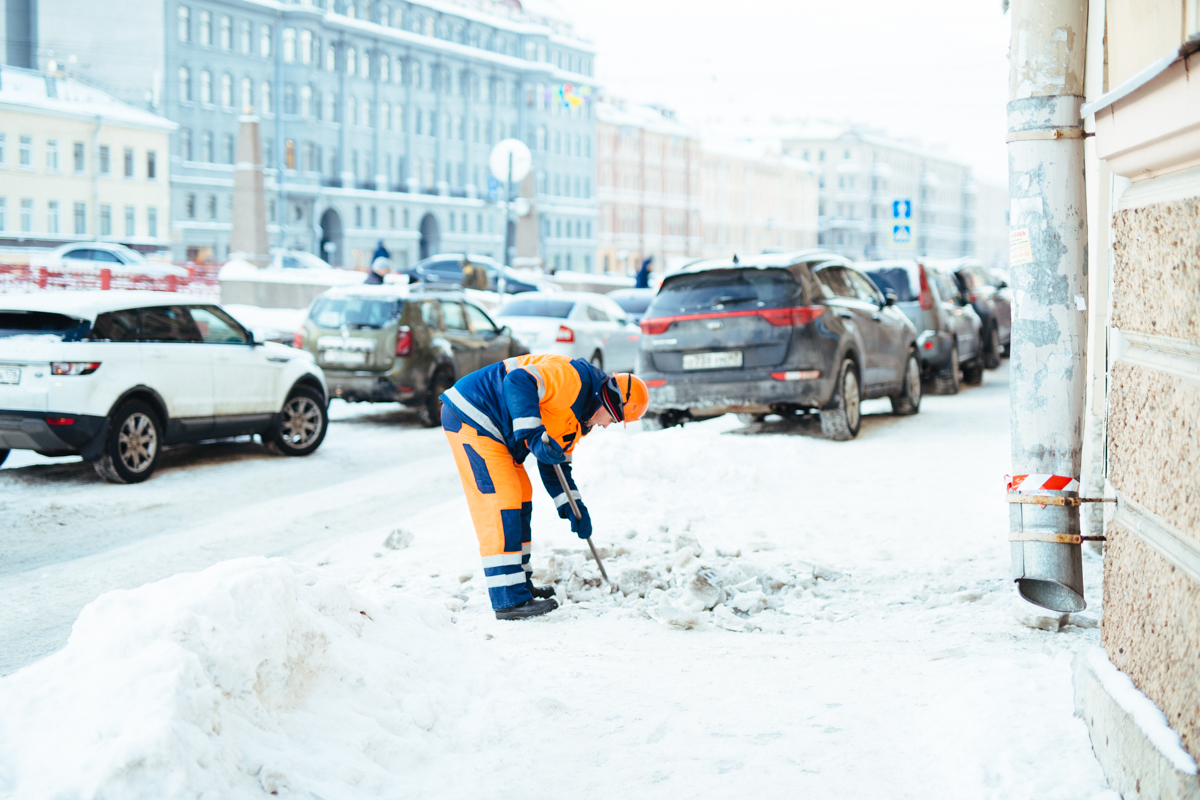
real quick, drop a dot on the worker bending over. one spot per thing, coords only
(497, 416)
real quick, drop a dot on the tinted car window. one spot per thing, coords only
(732, 289)
(116, 326)
(596, 315)
(533, 307)
(216, 327)
(81, 254)
(445, 267)
(946, 286)
(106, 257)
(865, 290)
(452, 313)
(42, 323)
(167, 324)
(895, 279)
(634, 305)
(355, 312)
(834, 279)
(480, 322)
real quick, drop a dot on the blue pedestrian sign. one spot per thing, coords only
(902, 231)
(493, 189)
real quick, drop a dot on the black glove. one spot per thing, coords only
(581, 527)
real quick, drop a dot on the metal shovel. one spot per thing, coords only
(562, 480)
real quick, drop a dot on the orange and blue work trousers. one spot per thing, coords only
(501, 501)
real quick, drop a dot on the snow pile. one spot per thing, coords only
(674, 580)
(255, 676)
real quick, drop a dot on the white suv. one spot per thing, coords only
(115, 376)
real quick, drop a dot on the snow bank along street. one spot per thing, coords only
(795, 617)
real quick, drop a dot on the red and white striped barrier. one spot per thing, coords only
(1032, 484)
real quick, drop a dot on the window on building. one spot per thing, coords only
(358, 216)
(106, 220)
(247, 95)
(384, 67)
(152, 222)
(265, 98)
(351, 61)
(81, 219)
(130, 221)
(289, 99)
(206, 147)
(306, 47)
(25, 152)
(189, 206)
(185, 144)
(52, 216)
(227, 91)
(212, 206)
(3, 141)
(289, 45)
(244, 43)
(26, 215)
(306, 101)
(226, 38)
(183, 18)
(330, 59)
(52, 155)
(205, 28)
(105, 166)
(127, 163)
(227, 149)
(264, 41)
(206, 87)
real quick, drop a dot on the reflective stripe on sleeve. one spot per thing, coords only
(510, 364)
(477, 416)
(526, 423)
(509, 579)
(537, 375)
(561, 500)
(502, 560)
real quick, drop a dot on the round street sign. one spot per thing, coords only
(522, 160)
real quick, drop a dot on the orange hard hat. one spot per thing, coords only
(625, 396)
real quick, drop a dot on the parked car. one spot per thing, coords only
(386, 343)
(634, 301)
(297, 259)
(948, 332)
(105, 255)
(983, 291)
(779, 333)
(456, 270)
(116, 376)
(576, 324)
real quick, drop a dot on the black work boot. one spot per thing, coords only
(530, 608)
(539, 592)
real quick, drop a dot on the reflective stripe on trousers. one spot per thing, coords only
(500, 497)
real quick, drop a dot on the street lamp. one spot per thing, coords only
(510, 162)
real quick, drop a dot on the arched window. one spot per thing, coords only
(185, 84)
(247, 95)
(306, 47)
(264, 41)
(384, 65)
(227, 90)
(352, 111)
(330, 59)
(351, 61)
(398, 71)
(365, 66)
(265, 97)
(205, 86)
(416, 74)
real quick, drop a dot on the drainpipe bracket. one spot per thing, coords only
(1070, 502)
(1045, 134)
(1052, 538)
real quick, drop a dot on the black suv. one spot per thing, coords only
(776, 334)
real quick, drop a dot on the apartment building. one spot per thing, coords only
(78, 164)
(648, 188)
(378, 116)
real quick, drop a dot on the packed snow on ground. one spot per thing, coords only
(790, 616)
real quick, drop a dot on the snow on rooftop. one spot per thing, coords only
(39, 91)
(641, 116)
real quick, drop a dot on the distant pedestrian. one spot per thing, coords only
(379, 268)
(642, 280)
(380, 252)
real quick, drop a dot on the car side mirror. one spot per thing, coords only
(256, 338)
(890, 298)
(505, 330)
(1002, 285)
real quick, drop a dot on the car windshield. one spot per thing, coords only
(634, 304)
(732, 289)
(42, 323)
(535, 307)
(354, 312)
(895, 279)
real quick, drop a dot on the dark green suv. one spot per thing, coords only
(392, 344)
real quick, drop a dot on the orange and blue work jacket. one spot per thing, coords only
(516, 400)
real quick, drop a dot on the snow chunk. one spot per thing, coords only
(255, 675)
(398, 539)
(1033, 616)
(749, 602)
(673, 617)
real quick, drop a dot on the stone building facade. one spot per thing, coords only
(647, 187)
(755, 200)
(77, 164)
(378, 115)
(863, 175)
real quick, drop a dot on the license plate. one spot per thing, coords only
(346, 356)
(731, 358)
(10, 375)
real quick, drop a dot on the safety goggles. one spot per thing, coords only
(613, 402)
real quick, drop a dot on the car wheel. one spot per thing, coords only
(991, 350)
(908, 401)
(750, 419)
(133, 445)
(301, 426)
(597, 360)
(973, 372)
(430, 414)
(946, 381)
(841, 420)
(4, 455)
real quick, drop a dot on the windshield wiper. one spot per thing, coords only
(724, 301)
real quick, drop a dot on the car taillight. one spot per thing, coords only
(972, 297)
(565, 334)
(653, 327)
(60, 420)
(404, 341)
(298, 339)
(655, 383)
(791, 316)
(74, 367)
(797, 375)
(926, 295)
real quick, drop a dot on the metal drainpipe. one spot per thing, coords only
(1049, 326)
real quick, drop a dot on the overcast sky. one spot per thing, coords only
(934, 70)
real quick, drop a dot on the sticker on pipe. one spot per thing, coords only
(1019, 249)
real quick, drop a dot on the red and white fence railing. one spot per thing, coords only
(24, 278)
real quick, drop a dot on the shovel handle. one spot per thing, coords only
(562, 480)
